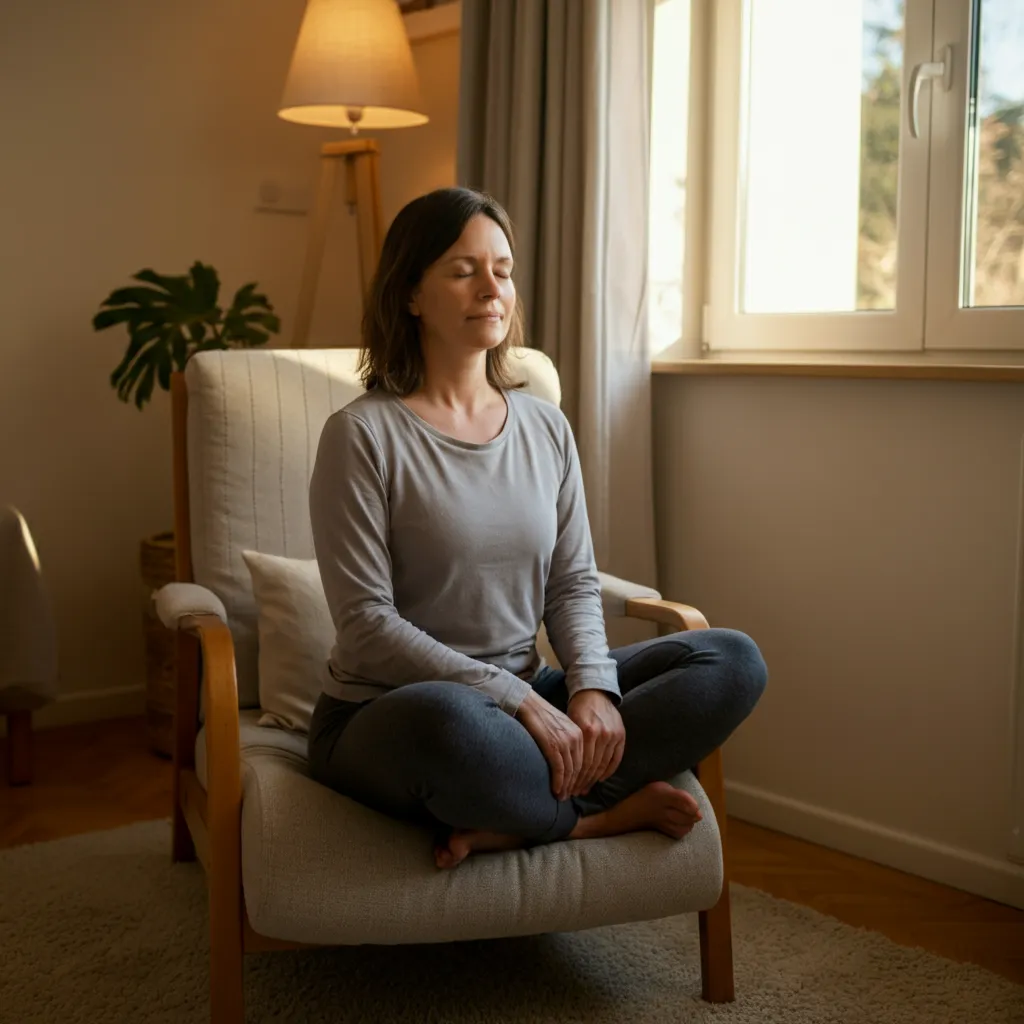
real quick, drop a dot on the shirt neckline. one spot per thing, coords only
(429, 428)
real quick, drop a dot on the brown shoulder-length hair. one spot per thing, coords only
(391, 358)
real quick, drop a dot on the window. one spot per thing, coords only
(667, 200)
(867, 175)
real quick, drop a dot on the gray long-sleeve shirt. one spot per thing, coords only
(441, 557)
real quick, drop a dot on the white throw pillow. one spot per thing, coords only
(296, 635)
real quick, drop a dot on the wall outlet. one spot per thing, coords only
(276, 196)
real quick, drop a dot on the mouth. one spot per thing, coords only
(489, 317)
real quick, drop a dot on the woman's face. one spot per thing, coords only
(466, 298)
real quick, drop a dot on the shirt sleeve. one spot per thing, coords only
(573, 613)
(348, 506)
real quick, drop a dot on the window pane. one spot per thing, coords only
(821, 155)
(667, 204)
(994, 233)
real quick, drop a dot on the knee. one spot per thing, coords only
(744, 672)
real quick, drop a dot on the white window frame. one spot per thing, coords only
(948, 325)
(928, 316)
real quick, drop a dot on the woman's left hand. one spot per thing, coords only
(604, 738)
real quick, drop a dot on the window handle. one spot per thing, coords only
(925, 72)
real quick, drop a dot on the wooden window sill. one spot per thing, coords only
(971, 366)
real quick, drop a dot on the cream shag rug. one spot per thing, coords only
(103, 928)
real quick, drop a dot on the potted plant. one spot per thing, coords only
(168, 320)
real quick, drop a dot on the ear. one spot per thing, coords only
(414, 308)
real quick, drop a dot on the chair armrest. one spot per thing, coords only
(667, 613)
(174, 601)
(223, 751)
(615, 593)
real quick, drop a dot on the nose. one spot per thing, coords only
(489, 286)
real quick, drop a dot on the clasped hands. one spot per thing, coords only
(582, 746)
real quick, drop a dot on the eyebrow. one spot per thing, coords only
(472, 259)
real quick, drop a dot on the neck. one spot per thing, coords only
(453, 378)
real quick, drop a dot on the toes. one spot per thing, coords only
(687, 804)
(679, 798)
(678, 829)
(447, 859)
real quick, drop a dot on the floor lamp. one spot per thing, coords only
(352, 67)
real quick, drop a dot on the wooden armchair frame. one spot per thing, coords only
(207, 824)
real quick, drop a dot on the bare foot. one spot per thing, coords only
(659, 805)
(462, 843)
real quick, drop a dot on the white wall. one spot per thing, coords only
(865, 534)
(136, 134)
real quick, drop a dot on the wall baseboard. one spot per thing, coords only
(961, 869)
(87, 706)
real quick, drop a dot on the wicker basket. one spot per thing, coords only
(156, 558)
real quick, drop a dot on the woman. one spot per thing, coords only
(448, 520)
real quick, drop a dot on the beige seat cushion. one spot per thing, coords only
(318, 867)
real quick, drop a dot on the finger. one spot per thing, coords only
(586, 773)
(571, 774)
(581, 757)
(558, 773)
(574, 755)
(616, 759)
(602, 754)
(608, 762)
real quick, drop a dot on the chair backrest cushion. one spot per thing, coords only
(254, 423)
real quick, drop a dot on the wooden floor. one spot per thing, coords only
(102, 775)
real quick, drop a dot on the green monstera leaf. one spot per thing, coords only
(169, 319)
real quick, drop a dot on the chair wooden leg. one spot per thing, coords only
(19, 748)
(227, 960)
(716, 924)
(716, 951)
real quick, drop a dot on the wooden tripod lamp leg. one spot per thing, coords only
(364, 195)
(314, 252)
(362, 192)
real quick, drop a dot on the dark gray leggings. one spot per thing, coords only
(446, 756)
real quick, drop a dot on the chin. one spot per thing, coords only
(487, 336)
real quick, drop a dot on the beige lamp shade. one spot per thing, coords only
(352, 67)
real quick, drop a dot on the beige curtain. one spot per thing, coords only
(554, 122)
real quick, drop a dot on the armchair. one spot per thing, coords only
(290, 863)
(29, 671)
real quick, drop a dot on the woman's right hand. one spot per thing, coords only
(559, 738)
